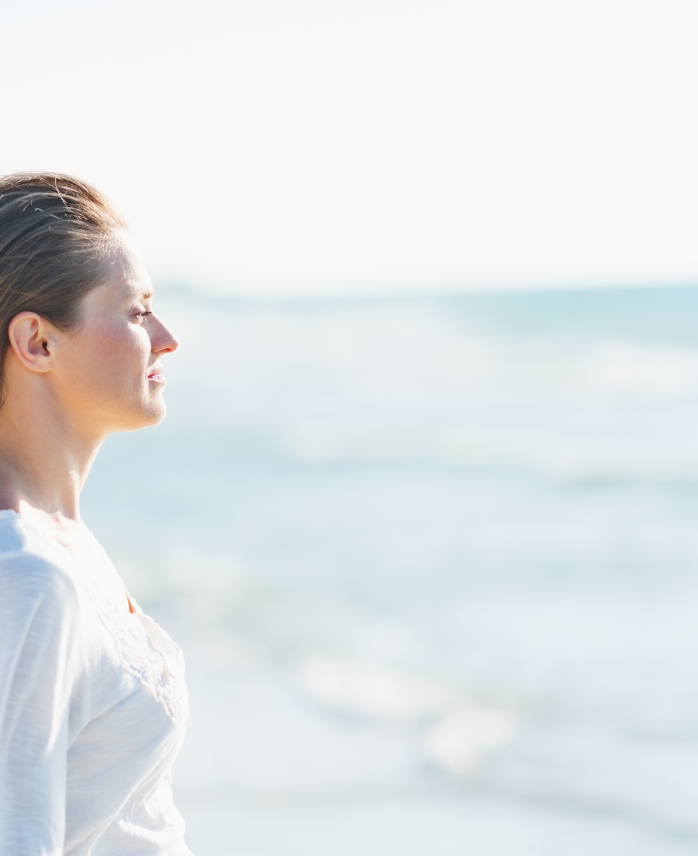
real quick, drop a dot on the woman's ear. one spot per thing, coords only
(31, 339)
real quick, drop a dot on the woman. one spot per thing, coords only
(93, 705)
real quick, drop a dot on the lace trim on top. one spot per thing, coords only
(145, 650)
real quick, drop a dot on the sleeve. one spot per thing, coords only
(39, 679)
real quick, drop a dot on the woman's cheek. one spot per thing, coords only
(129, 347)
(142, 342)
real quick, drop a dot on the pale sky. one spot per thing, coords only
(300, 147)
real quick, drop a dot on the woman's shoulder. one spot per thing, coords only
(13, 532)
(29, 568)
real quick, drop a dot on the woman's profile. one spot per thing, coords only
(93, 705)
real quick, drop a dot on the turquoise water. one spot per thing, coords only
(434, 564)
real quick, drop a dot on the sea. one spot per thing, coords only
(433, 563)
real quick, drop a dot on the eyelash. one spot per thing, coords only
(144, 313)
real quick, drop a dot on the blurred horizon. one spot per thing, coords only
(179, 286)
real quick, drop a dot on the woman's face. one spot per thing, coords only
(111, 374)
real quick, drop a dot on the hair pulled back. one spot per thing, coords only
(56, 233)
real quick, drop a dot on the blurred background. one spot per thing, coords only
(424, 512)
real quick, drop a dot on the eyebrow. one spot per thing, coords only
(140, 296)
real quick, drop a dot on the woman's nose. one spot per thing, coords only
(162, 339)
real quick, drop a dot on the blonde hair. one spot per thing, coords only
(56, 233)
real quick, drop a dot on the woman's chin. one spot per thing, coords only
(151, 415)
(156, 414)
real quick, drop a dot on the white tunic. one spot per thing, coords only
(93, 706)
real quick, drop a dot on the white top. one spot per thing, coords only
(93, 706)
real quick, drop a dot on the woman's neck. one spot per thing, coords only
(44, 461)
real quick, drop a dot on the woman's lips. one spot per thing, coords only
(156, 376)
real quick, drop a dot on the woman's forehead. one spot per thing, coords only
(127, 269)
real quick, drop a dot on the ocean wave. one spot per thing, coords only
(454, 732)
(556, 455)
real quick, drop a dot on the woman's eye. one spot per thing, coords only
(141, 314)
